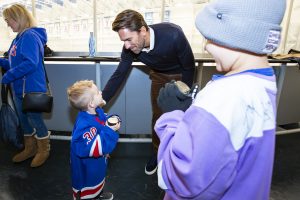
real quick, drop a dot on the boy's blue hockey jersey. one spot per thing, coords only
(91, 142)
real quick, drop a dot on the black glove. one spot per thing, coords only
(176, 95)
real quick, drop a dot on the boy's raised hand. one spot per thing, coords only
(176, 95)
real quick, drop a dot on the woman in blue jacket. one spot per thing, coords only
(25, 64)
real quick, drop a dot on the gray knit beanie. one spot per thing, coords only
(250, 25)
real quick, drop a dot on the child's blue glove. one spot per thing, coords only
(176, 95)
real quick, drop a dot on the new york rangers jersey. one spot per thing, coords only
(91, 142)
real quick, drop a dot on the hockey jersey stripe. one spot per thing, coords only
(96, 149)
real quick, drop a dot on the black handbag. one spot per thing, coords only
(38, 101)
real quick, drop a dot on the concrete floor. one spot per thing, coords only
(126, 178)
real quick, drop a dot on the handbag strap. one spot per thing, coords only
(5, 90)
(47, 81)
(42, 47)
(45, 72)
(4, 94)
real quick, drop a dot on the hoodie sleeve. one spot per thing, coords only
(195, 156)
(119, 76)
(94, 141)
(29, 51)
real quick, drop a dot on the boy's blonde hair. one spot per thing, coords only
(21, 15)
(79, 94)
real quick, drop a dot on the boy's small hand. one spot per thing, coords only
(173, 97)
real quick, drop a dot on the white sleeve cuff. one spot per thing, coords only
(161, 182)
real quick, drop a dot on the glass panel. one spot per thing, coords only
(167, 16)
(108, 40)
(181, 12)
(175, 11)
(68, 23)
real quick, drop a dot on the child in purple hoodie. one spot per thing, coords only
(222, 146)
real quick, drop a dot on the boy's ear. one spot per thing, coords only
(91, 105)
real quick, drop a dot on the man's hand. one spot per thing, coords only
(176, 95)
(103, 103)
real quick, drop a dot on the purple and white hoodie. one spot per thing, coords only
(222, 147)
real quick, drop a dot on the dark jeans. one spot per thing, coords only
(158, 81)
(30, 121)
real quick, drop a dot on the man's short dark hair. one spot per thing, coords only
(129, 19)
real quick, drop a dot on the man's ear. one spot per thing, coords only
(143, 30)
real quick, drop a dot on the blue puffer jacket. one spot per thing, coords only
(25, 61)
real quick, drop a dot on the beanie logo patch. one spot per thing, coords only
(272, 41)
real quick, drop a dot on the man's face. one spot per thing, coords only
(133, 40)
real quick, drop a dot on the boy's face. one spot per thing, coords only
(96, 96)
(225, 58)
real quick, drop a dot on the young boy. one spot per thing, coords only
(92, 142)
(222, 147)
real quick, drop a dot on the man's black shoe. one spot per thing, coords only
(151, 166)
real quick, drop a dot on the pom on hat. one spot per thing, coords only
(249, 25)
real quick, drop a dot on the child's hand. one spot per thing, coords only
(114, 122)
(176, 95)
